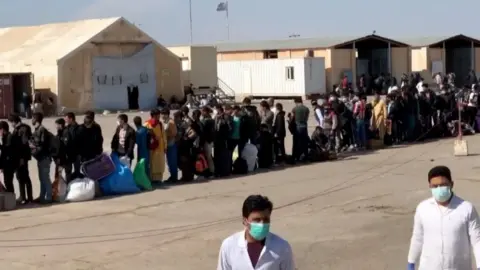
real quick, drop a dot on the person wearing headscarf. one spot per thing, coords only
(157, 146)
(379, 116)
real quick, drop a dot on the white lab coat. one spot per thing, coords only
(275, 255)
(442, 237)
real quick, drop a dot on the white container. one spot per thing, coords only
(273, 77)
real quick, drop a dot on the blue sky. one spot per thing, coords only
(168, 20)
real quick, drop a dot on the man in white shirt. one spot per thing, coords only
(445, 228)
(255, 247)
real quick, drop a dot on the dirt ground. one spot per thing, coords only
(355, 213)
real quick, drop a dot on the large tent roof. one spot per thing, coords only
(49, 41)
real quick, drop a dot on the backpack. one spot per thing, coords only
(201, 164)
(240, 166)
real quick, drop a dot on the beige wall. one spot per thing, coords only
(422, 58)
(400, 62)
(202, 62)
(341, 60)
(477, 60)
(419, 59)
(204, 66)
(121, 39)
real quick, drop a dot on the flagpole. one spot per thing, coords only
(228, 23)
(191, 22)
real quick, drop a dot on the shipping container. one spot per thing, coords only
(6, 95)
(301, 77)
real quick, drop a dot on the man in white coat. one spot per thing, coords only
(255, 247)
(445, 228)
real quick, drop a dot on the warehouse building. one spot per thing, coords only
(458, 54)
(352, 57)
(85, 65)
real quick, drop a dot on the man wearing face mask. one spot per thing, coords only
(90, 138)
(256, 247)
(445, 228)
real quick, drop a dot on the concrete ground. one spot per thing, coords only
(355, 213)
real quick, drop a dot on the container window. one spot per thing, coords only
(290, 73)
(272, 54)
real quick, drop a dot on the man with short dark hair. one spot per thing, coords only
(255, 238)
(123, 141)
(40, 146)
(445, 228)
(300, 114)
(71, 140)
(21, 136)
(90, 138)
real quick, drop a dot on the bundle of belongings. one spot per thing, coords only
(106, 175)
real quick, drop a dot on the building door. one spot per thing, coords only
(6, 95)
(247, 81)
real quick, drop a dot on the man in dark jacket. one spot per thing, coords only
(7, 152)
(59, 143)
(21, 136)
(279, 133)
(90, 138)
(40, 145)
(72, 147)
(249, 124)
(123, 141)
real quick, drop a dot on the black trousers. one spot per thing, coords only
(8, 175)
(24, 182)
(279, 149)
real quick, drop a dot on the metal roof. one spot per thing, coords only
(48, 41)
(298, 43)
(424, 41)
(283, 44)
(327, 42)
(429, 41)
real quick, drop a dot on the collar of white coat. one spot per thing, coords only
(454, 202)
(242, 242)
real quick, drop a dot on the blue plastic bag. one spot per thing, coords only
(120, 181)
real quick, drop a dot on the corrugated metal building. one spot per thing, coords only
(350, 56)
(458, 54)
(89, 64)
(300, 77)
(199, 64)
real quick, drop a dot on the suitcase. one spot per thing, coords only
(7, 201)
(98, 168)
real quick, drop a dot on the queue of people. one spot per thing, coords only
(21, 144)
(219, 141)
(405, 115)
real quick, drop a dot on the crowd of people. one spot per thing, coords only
(217, 141)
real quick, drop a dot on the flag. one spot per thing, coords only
(222, 6)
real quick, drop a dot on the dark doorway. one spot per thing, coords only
(458, 59)
(22, 84)
(373, 57)
(459, 54)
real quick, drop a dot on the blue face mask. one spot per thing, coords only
(259, 230)
(441, 194)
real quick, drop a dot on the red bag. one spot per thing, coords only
(201, 164)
